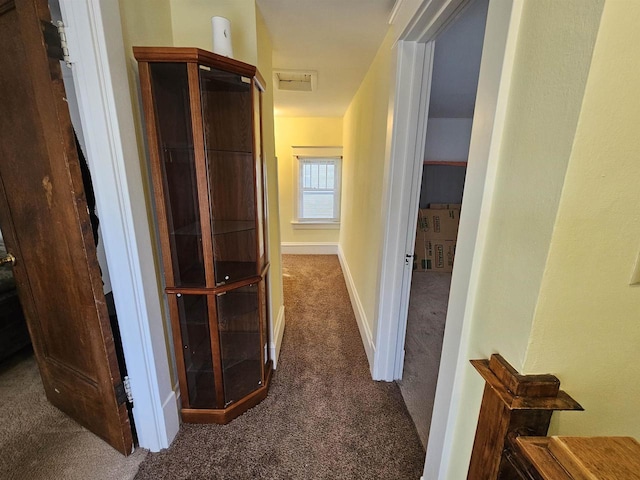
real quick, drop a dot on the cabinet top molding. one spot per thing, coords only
(199, 56)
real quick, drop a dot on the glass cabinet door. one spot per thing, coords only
(240, 343)
(264, 318)
(226, 119)
(260, 175)
(173, 124)
(196, 350)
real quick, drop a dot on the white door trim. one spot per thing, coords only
(94, 35)
(407, 150)
(496, 69)
(494, 82)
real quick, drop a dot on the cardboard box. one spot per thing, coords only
(439, 224)
(433, 255)
(445, 206)
(436, 236)
(439, 255)
(419, 255)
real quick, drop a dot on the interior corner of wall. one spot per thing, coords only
(364, 324)
(278, 333)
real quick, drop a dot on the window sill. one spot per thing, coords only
(315, 225)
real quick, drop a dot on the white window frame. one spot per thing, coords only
(320, 153)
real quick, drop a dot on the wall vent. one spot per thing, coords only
(295, 80)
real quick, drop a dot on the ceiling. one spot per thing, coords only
(456, 64)
(338, 39)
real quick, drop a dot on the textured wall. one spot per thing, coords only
(191, 23)
(188, 23)
(551, 66)
(365, 143)
(586, 327)
(307, 132)
(268, 142)
(147, 23)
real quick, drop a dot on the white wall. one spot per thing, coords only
(448, 139)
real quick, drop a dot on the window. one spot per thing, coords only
(318, 188)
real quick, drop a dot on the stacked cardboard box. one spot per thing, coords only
(436, 237)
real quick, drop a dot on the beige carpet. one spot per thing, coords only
(39, 442)
(423, 346)
(324, 417)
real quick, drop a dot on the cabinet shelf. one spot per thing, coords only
(190, 148)
(190, 229)
(238, 379)
(220, 227)
(210, 173)
(234, 271)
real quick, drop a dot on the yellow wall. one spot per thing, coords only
(364, 151)
(188, 23)
(586, 327)
(551, 67)
(553, 56)
(265, 68)
(147, 23)
(144, 23)
(191, 21)
(307, 132)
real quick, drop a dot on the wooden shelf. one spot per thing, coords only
(450, 163)
(222, 227)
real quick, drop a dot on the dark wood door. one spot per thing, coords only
(45, 222)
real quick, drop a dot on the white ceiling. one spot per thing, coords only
(456, 64)
(336, 38)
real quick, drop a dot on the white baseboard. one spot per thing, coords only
(358, 310)
(309, 248)
(278, 333)
(172, 421)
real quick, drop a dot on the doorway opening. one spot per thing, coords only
(58, 273)
(457, 53)
(414, 67)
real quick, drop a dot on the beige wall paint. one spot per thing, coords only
(307, 132)
(265, 67)
(586, 327)
(191, 22)
(551, 66)
(188, 23)
(363, 167)
(144, 23)
(552, 63)
(147, 23)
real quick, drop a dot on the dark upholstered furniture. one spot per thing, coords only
(13, 328)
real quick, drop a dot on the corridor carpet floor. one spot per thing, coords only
(423, 345)
(39, 442)
(324, 417)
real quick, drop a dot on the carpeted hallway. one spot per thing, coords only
(39, 442)
(324, 417)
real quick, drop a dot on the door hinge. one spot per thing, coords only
(55, 40)
(123, 392)
(63, 42)
(408, 259)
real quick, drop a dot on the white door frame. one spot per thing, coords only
(413, 78)
(94, 35)
(413, 81)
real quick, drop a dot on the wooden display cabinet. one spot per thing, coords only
(203, 124)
